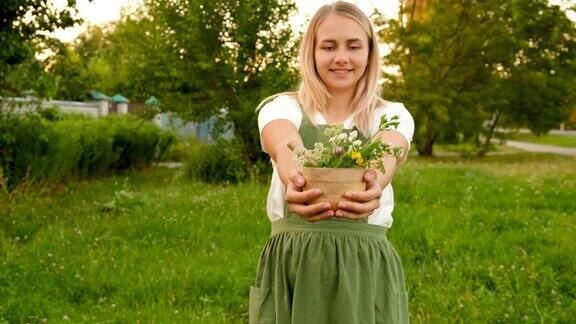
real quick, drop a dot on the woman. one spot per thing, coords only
(317, 268)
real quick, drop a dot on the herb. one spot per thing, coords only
(347, 151)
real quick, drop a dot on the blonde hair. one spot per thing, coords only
(312, 93)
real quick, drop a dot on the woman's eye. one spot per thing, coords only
(355, 47)
(328, 48)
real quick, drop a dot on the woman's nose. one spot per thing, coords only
(341, 59)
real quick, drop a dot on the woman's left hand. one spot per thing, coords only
(362, 204)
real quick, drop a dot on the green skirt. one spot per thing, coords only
(333, 271)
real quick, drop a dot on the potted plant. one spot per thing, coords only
(339, 167)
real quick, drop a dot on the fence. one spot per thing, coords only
(102, 108)
(92, 109)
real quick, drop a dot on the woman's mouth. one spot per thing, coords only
(341, 71)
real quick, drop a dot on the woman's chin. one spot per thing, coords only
(341, 86)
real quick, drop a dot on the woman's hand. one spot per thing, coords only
(364, 203)
(298, 200)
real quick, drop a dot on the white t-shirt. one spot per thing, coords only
(284, 107)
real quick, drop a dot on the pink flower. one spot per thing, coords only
(339, 150)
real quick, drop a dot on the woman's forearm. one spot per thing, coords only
(394, 139)
(285, 163)
(275, 138)
(385, 178)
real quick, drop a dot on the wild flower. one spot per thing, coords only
(346, 150)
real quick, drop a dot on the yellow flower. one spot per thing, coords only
(358, 157)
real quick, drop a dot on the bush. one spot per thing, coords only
(137, 142)
(51, 147)
(218, 162)
(23, 144)
(181, 150)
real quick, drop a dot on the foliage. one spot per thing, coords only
(179, 151)
(464, 63)
(85, 65)
(216, 163)
(48, 147)
(200, 58)
(24, 30)
(346, 150)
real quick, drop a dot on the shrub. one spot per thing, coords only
(180, 150)
(23, 146)
(215, 163)
(51, 147)
(134, 140)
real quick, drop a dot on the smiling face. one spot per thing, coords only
(340, 53)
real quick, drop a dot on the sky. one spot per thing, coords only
(103, 11)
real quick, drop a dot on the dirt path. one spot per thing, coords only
(542, 148)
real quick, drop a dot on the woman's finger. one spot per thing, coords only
(370, 175)
(309, 210)
(372, 192)
(296, 197)
(359, 208)
(340, 213)
(320, 217)
(297, 178)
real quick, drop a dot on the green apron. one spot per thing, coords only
(328, 272)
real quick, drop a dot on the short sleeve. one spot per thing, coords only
(281, 107)
(405, 121)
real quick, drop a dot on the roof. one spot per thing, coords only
(152, 101)
(97, 95)
(118, 98)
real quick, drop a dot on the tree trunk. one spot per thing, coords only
(426, 148)
(484, 148)
(243, 136)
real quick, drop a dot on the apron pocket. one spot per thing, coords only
(402, 315)
(261, 306)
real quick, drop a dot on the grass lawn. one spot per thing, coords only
(465, 149)
(547, 139)
(489, 240)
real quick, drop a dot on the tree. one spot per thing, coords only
(204, 57)
(464, 63)
(84, 65)
(24, 29)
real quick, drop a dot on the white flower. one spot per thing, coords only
(310, 157)
(318, 150)
(300, 156)
(342, 137)
(352, 136)
(333, 130)
(299, 160)
(356, 143)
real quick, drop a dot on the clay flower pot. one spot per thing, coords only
(334, 183)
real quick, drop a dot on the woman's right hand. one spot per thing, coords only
(298, 199)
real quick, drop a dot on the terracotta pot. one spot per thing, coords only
(334, 183)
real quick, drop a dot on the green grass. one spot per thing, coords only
(488, 240)
(547, 139)
(465, 149)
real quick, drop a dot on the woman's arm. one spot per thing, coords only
(394, 139)
(275, 138)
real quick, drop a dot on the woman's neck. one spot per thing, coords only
(339, 106)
